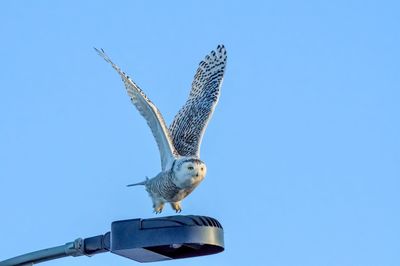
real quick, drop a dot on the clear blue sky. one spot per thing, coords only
(303, 151)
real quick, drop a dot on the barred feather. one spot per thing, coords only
(189, 124)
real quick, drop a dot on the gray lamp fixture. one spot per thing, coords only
(143, 240)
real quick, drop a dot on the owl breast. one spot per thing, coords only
(175, 184)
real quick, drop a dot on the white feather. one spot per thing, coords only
(152, 115)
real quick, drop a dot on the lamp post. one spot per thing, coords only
(143, 240)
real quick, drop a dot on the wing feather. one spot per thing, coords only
(151, 113)
(189, 124)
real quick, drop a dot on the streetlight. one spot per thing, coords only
(143, 240)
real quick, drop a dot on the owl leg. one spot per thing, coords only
(176, 206)
(158, 206)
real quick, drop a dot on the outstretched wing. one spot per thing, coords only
(189, 124)
(150, 112)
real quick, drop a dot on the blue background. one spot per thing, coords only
(302, 151)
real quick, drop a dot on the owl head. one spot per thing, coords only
(189, 172)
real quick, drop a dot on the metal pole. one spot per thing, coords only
(69, 249)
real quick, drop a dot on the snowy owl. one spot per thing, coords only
(179, 145)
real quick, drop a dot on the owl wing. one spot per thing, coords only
(150, 112)
(189, 124)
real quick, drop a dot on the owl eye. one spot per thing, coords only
(202, 169)
(190, 167)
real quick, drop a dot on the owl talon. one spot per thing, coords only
(176, 206)
(158, 207)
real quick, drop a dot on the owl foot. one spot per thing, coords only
(158, 208)
(176, 206)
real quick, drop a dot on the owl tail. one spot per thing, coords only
(143, 183)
